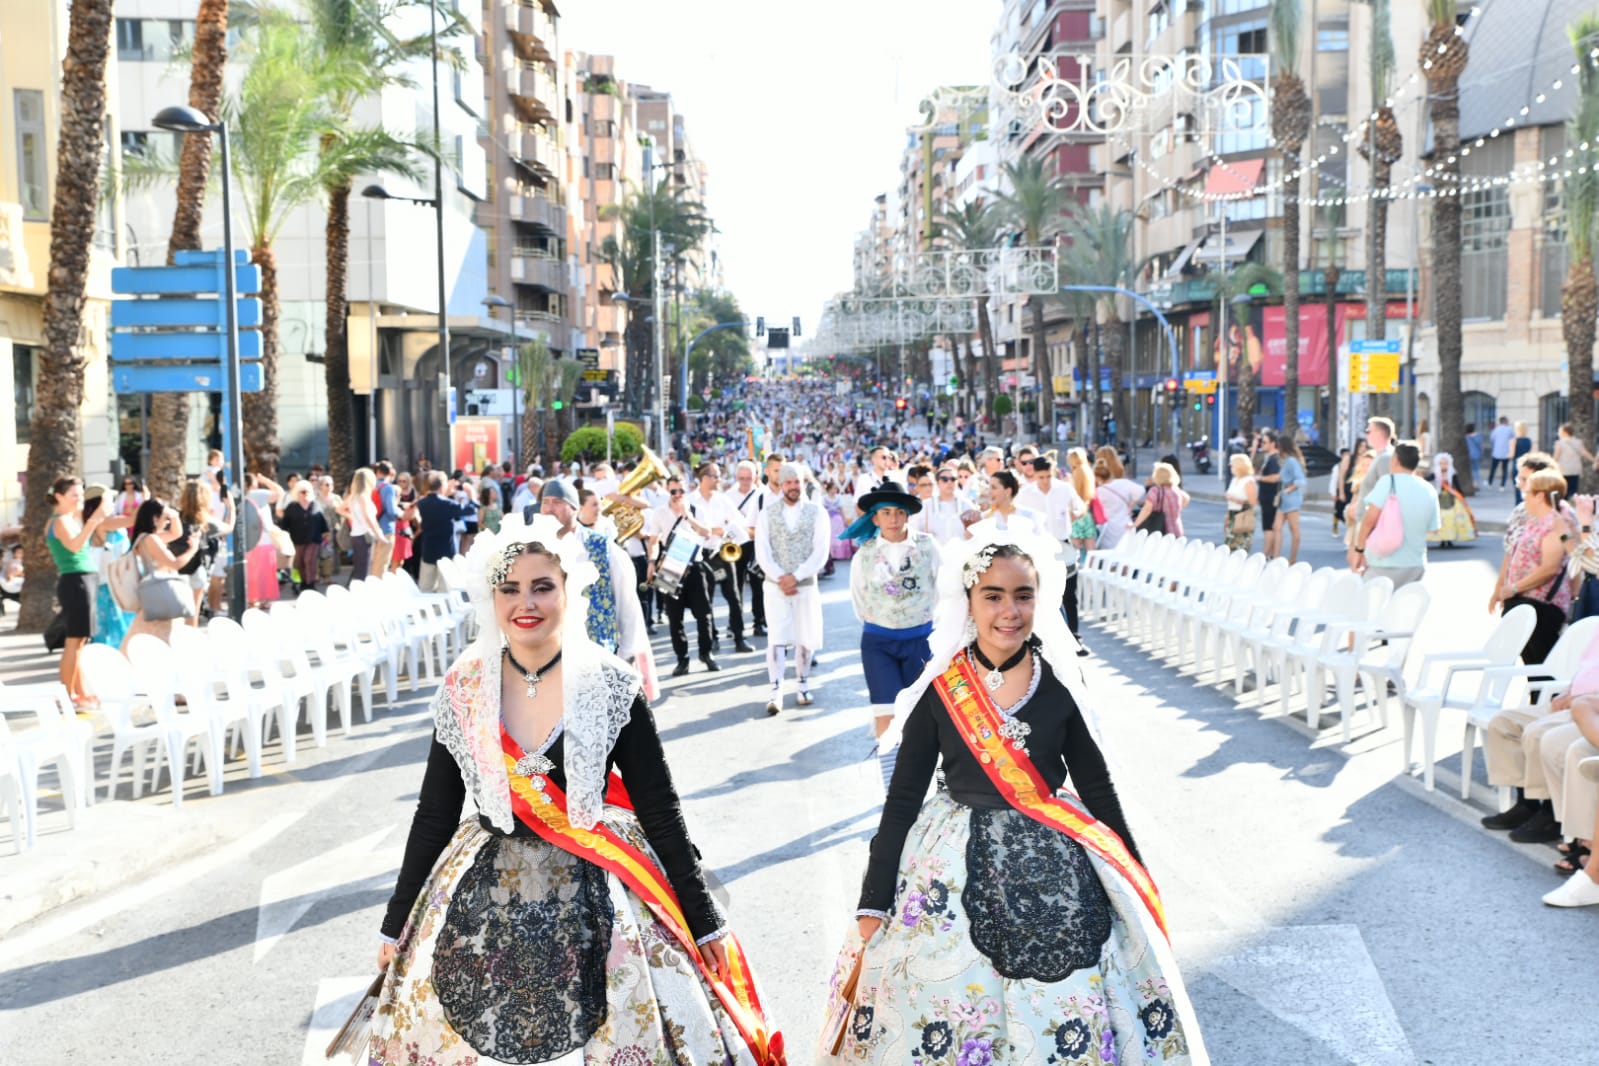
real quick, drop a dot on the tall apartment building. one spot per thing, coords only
(33, 40)
(1172, 172)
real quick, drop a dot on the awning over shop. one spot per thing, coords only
(1227, 179)
(1177, 265)
(1235, 250)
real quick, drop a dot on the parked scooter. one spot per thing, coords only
(1200, 449)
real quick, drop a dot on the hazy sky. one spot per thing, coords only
(799, 112)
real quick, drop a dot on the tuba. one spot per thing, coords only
(630, 520)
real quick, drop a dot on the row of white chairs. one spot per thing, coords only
(190, 698)
(1241, 614)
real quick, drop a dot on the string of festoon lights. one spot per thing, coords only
(1418, 184)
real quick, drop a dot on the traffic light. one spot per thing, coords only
(1197, 404)
(796, 326)
(900, 404)
(557, 405)
(1210, 400)
(1171, 385)
(760, 325)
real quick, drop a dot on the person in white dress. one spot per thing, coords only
(1003, 514)
(946, 516)
(791, 547)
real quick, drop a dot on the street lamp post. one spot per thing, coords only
(689, 348)
(378, 192)
(188, 120)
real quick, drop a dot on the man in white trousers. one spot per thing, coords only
(791, 543)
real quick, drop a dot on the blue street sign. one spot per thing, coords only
(154, 281)
(200, 347)
(181, 312)
(193, 378)
(1382, 347)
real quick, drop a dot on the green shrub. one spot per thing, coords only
(588, 443)
(1002, 405)
(696, 404)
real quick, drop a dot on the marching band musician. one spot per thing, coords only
(711, 508)
(748, 497)
(660, 525)
(791, 547)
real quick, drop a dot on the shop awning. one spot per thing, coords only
(1236, 249)
(1227, 179)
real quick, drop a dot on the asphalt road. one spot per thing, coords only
(1325, 910)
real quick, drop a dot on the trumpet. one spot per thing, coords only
(730, 552)
(630, 520)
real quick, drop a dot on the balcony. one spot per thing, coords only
(534, 266)
(538, 211)
(533, 90)
(535, 149)
(544, 321)
(530, 20)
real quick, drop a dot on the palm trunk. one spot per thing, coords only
(1246, 383)
(1579, 303)
(1044, 387)
(57, 441)
(529, 431)
(1445, 106)
(169, 411)
(261, 446)
(985, 331)
(336, 369)
(1090, 431)
(1331, 275)
(1115, 356)
(1376, 266)
(1291, 294)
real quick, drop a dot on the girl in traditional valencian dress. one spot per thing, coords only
(570, 913)
(1004, 920)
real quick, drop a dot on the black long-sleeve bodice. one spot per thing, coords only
(641, 761)
(1059, 745)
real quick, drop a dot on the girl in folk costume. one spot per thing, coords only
(1005, 921)
(570, 914)
(1457, 525)
(891, 584)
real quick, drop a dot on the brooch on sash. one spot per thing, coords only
(534, 767)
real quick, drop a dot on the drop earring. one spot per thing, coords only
(970, 633)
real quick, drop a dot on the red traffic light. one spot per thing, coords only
(1210, 400)
(899, 404)
(1172, 385)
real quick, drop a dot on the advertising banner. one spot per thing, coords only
(474, 442)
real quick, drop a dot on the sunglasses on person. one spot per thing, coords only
(945, 477)
(677, 492)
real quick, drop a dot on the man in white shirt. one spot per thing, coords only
(692, 594)
(791, 545)
(883, 463)
(1500, 442)
(1060, 505)
(712, 509)
(748, 498)
(621, 628)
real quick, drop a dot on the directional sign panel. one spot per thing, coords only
(152, 281)
(198, 347)
(178, 311)
(1374, 373)
(192, 378)
(1374, 347)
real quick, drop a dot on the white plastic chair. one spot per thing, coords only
(1340, 603)
(1193, 614)
(109, 675)
(1242, 587)
(234, 668)
(1380, 655)
(1254, 615)
(161, 677)
(16, 814)
(1555, 674)
(1502, 648)
(1375, 593)
(1277, 627)
(57, 743)
(314, 623)
(368, 635)
(296, 678)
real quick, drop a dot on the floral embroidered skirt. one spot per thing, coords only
(1009, 943)
(1455, 523)
(518, 952)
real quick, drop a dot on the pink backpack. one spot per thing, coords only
(1389, 533)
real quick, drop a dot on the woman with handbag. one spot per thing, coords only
(110, 541)
(362, 515)
(1535, 564)
(1005, 920)
(1163, 503)
(1242, 495)
(164, 596)
(261, 575)
(568, 914)
(66, 536)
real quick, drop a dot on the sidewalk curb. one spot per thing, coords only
(78, 880)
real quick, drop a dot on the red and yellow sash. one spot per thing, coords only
(1019, 782)
(546, 815)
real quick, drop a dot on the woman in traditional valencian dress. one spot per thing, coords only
(570, 913)
(1456, 525)
(1006, 922)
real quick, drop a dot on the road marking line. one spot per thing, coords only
(288, 893)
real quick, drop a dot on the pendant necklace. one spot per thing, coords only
(996, 674)
(532, 677)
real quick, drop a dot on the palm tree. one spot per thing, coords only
(169, 411)
(1579, 195)
(1443, 59)
(1233, 290)
(568, 372)
(353, 38)
(1381, 146)
(1330, 273)
(683, 226)
(972, 227)
(1033, 203)
(534, 374)
(1101, 253)
(1290, 126)
(79, 152)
